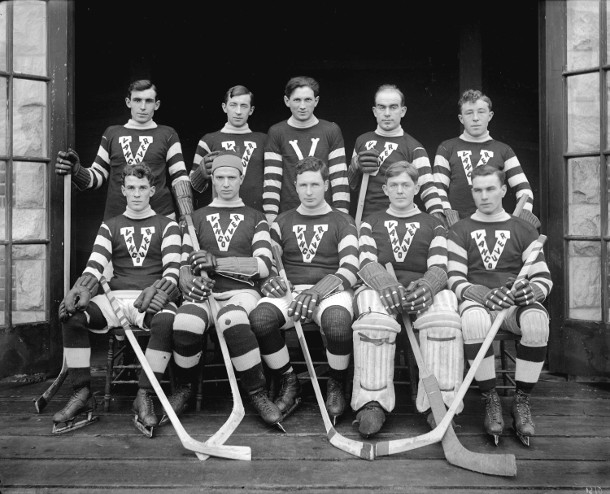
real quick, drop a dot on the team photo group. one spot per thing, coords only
(366, 246)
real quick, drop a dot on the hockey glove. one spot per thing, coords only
(526, 293)
(304, 303)
(274, 287)
(368, 160)
(420, 293)
(206, 164)
(145, 298)
(68, 162)
(391, 292)
(202, 260)
(195, 289)
(79, 295)
(238, 268)
(494, 299)
(530, 218)
(441, 216)
(452, 217)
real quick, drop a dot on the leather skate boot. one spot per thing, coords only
(81, 402)
(267, 410)
(335, 398)
(494, 422)
(370, 419)
(178, 400)
(289, 395)
(522, 417)
(143, 407)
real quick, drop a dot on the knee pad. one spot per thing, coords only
(374, 340)
(534, 323)
(442, 348)
(476, 322)
(231, 315)
(265, 319)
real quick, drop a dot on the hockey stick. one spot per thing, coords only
(361, 198)
(356, 448)
(237, 412)
(230, 452)
(436, 435)
(455, 452)
(41, 402)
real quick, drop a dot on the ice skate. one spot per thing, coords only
(267, 410)
(494, 422)
(335, 399)
(179, 401)
(289, 396)
(370, 419)
(522, 417)
(143, 407)
(83, 402)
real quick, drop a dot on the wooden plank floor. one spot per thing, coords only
(570, 453)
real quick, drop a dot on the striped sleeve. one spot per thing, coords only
(428, 191)
(186, 249)
(539, 273)
(337, 168)
(272, 178)
(101, 255)
(457, 266)
(348, 255)
(442, 176)
(515, 176)
(100, 169)
(261, 248)
(437, 252)
(276, 242)
(175, 160)
(171, 251)
(367, 246)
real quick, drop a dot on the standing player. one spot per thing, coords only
(235, 253)
(486, 252)
(376, 150)
(140, 139)
(416, 245)
(302, 135)
(237, 137)
(145, 250)
(319, 247)
(456, 159)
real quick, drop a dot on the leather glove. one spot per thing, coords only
(419, 297)
(202, 260)
(77, 298)
(452, 217)
(145, 298)
(525, 292)
(494, 298)
(158, 302)
(441, 216)
(530, 217)
(67, 162)
(206, 164)
(195, 289)
(393, 297)
(368, 160)
(274, 287)
(63, 313)
(304, 303)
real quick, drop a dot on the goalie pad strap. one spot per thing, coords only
(375, 276)
(184, 196)
(328, 285)
(436, 279)
(167, 287)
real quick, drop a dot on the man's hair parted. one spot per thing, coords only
(239, 90)
(486, 170)
(302, 81)
(139, 170)
(312, 164)
(142, 85)
(399, 167)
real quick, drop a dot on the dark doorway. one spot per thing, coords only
(195, 54)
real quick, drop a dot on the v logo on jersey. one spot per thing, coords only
(465, 157)
(125, 142)
(401, 249)
(223, 238)
(245, 158)
(309, 250)
(137, 254)
(312, 149)
(490, 258)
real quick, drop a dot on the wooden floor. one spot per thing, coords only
(570, 453)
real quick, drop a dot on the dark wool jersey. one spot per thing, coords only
(456, 158)
(232, 232)
(286, 145)
(412, 244)
(142, 251)
(315, 246)
(489, 252)
(393, 149)
(158, 146)
(251, 148)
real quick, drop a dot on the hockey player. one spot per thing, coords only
(376, 150)
(456, 158)
(416, 245)
(303, 134)
(319, 247)
(140, 139)
(235, 136)
(145, 250)
(486, 252)
(235, 254)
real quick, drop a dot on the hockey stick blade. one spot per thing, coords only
(455, 452)
(42, 401)
(229, 452)
(237, 412)
(436, 435)
(357, 448)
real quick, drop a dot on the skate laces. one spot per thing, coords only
(522, 403)
(493, 406)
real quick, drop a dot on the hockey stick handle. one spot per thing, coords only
(520, 205)
(230, 452)
(361, 198)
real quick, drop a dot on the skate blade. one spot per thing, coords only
(289, 411)
(147, 431)
(280, 427)
(164, 420)
(72, 425)
(524, 439)
(496, 439)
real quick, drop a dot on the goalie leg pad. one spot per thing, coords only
(442, 348)
(534, 327)
(374, 340)
(367, 300)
